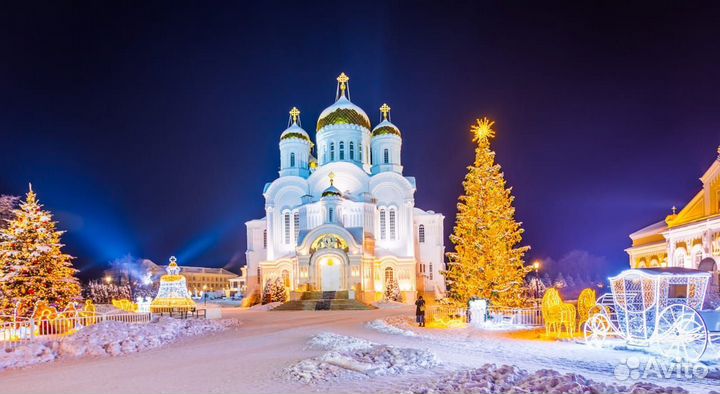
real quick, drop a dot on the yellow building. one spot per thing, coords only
(689, 238)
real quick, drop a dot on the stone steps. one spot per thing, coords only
(323, 305)
(324, 295)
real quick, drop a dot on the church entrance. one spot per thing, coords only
(331, 273)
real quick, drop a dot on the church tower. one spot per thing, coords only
(386, 144)
(295, 145)
(343, 130)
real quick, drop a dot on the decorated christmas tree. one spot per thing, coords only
(392, 291)
(32, 265)
(274, 291)
(487, 261)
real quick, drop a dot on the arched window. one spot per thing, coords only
(431, 271)
(258, 275)
(342, 150)
(332, 151)
(382, 223)
(421, 233)
(265, 239)
(392, 223)
(388, 274)
(352, 151)
(330, 215)
(286, 278)
(286, 220)
(696, 257)
(296, 224)
(386, 156)
(360, 154)
(679, 258)
(292, 159)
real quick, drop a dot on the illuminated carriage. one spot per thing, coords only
(654, 307)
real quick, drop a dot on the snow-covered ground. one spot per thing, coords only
(345, 352)
(109, 338)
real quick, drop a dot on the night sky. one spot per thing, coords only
(150, 128)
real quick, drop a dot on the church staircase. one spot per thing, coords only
(324, 301)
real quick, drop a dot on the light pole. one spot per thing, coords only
(536, 267)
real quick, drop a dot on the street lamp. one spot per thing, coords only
(108, 279)
(536, 268)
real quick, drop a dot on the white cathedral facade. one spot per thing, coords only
(342, 216)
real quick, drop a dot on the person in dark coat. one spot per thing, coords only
(420, 311)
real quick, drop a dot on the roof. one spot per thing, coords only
(343, 111)
(655, 228)
(385, 128)
(203, 270)
(295, 131)
(661, 271)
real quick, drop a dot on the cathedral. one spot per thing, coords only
(688, 238)
(341, 215)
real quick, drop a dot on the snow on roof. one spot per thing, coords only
(654, 228)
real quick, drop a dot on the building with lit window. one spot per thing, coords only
(341, 215)
(688, 238)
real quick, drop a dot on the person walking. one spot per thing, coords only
(420, 311)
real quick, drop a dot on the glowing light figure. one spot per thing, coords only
(655, 307)
(173, 293)
(143, 306)
(557, 314)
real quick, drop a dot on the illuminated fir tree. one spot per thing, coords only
(32, 265)
(487, 261)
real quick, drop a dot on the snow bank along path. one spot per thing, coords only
(355, 358)
(110, 338)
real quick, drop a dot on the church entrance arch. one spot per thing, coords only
(329, 257)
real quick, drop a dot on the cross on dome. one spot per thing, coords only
(342, 85)
(385, 109)
(331, 175)
(294, 114)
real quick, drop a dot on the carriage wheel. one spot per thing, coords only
(596, 330)
(681, 333)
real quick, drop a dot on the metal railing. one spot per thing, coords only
(24, 329)
(531, 316)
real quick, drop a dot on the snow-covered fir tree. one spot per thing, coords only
(104, 293)
(32, 265)
(7, 207)
(487, 261)
(560, 281)
(274, 291)
(392, 291)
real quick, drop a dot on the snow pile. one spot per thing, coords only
(110, 338)
(355, 358)
(491, 378)
(332, 341)
(389, 304)
(389, 328)
(265, 307)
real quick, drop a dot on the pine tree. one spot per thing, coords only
(32, 265)
(7, 206)
(392, 291)
(487, 262)
(274, 291)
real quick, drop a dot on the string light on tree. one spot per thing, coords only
(487, 263)
(32, 265)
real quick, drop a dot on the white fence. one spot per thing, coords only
(14, 332)
(516, 316)
(500, 316)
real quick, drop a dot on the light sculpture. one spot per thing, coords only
(173, 293)
(657, 308)
(557, 314)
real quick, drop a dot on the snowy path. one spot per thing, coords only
(251, 357)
